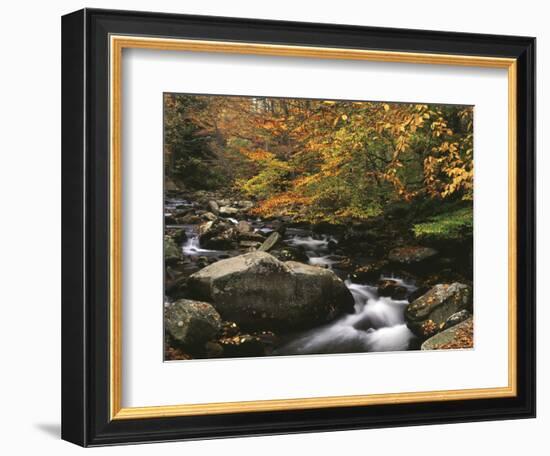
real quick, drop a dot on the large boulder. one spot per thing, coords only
(192, 323)
(455, 337)
(257, 291)
(427, 315)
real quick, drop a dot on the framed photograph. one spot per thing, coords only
(278, 227)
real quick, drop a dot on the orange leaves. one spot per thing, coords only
(257, 154)
(284, 203)
(318, 158)
(305, 181)
(274, 126)
(268, 125)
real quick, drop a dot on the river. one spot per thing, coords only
(377, 323)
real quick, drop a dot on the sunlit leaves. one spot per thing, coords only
(320, 160)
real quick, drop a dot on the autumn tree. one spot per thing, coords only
(320, 160)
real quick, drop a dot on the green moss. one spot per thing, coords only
(453, 225)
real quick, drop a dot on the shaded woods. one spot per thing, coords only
(298, 226)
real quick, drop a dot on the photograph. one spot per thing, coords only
(298, 226)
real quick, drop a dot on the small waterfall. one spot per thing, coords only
(316, 249)
(324, 261)
(410, 286)
(192, 248)
(378, 324)
(311, 243)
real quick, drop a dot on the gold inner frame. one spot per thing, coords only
(117, 44)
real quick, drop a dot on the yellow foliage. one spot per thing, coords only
(257, 154)
(320, 158)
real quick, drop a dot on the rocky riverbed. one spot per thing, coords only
(237, 285)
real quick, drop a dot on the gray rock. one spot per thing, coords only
(456, 318)
(213, 206)
(217, 234)
(258, 291)
(192, 323)
(411, 255)
(209, 216)
(228, 210)
(179, 235)
(427, 315)
(245, 204)
(243, 227)
(455, 337)
(270, 242)
(206, 228)
(172, 253)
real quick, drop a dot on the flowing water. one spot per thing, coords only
(316, 248)
(377, 323)
(192, 248)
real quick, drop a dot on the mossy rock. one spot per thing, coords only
(460, 336)
(192, 323)
(172, 253)
(427, 315)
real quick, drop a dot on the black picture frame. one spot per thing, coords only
(85, 224)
